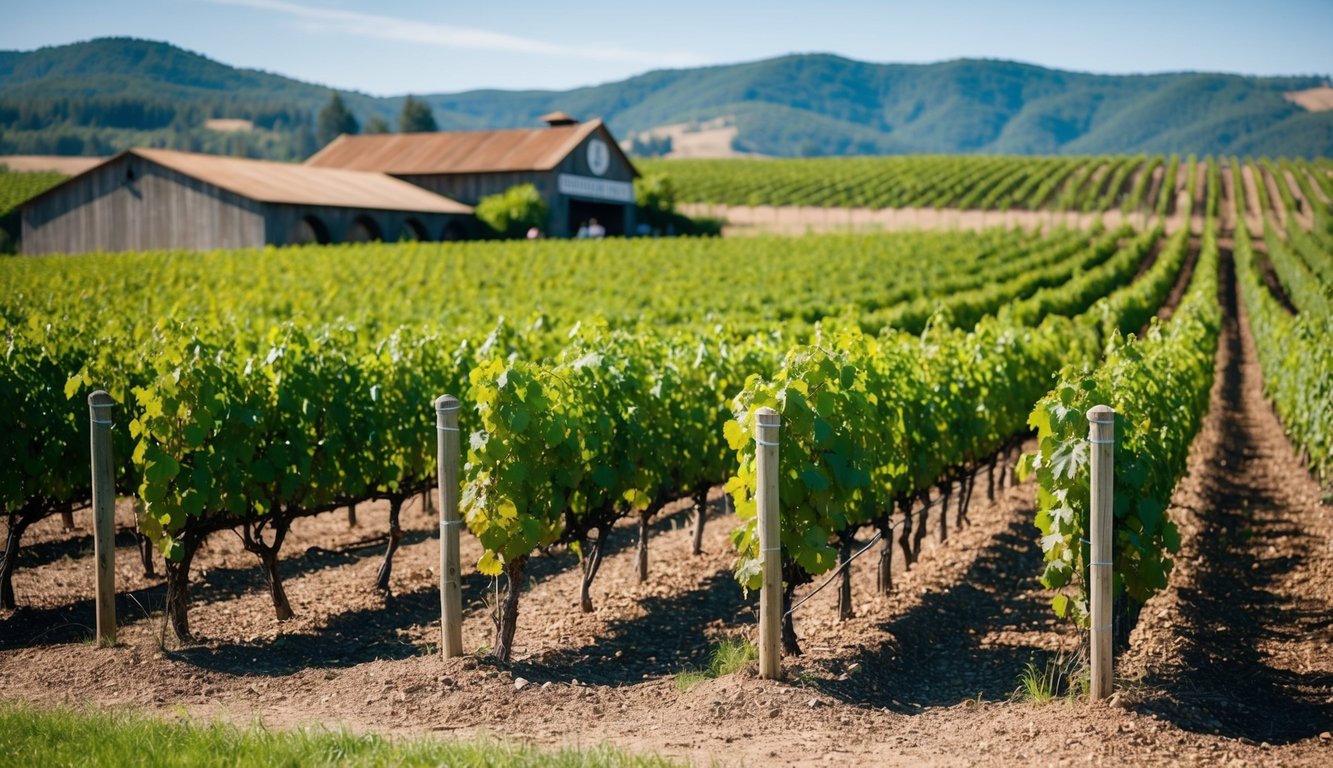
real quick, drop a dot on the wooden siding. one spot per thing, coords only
(157, 209)
(161, 209)
(469, 188)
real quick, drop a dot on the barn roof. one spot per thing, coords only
(270, 182)
(407, 154)
(266, 181)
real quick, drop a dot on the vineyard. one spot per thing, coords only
(1154, 185)
(275, 457)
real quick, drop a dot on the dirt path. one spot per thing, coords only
(1318, 190)
(1277, 209)
(1239, 644)
(1304, 212)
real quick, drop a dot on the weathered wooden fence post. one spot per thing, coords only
(766, 423)
(1101, 435)
(104, 515)
(451, 594)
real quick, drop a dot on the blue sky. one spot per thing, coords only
(413, 46)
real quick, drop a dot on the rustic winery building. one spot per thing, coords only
(578, 168)
(159, 199)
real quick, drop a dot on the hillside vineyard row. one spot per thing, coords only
(1088, 184)
(273, 394)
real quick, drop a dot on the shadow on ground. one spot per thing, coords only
(1221, 681)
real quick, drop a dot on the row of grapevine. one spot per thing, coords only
(984, 183)
(870, 424)
(1308, 292)
(1159, 387)
(1086, 184)
(1295, 354)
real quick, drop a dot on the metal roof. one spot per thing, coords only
(407, 154)
(270, 182)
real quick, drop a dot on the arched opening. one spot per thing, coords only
(452, 231)
(310, 230)
(412, 230)
(364, 230)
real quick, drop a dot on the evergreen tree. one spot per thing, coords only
(304, 141)
(416, 117)
(334, 119)
(377, 124)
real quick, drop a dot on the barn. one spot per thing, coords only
(146, 199)
(578, 168)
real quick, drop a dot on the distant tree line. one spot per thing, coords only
(141, 113)
(99, 125)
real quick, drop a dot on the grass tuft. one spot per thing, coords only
(728, 656)
(1059, 676)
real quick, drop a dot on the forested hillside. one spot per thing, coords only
(109, 94)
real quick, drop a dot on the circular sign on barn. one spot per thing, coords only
(599, 157)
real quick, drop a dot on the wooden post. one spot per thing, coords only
(104, 515)
(766, 422)
(1101, 435)
(451, 593)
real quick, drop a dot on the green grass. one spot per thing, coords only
(1036, 684)
(1060, 676)
(53, 738)
(727, 657)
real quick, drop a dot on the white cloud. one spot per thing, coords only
(326, 20)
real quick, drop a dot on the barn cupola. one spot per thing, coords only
(557, 119)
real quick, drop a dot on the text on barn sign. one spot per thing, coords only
(599, 189)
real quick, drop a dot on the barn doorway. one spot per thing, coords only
(452, 231)
(611, 216)
(310, 230)
(364, 230)
(412, 230)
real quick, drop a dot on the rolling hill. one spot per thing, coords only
(104, 95)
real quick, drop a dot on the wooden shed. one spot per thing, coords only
(146, 199)
(578, 168)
